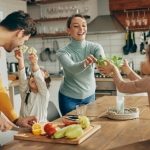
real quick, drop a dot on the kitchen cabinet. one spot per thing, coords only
(121, 5)
(133, 14)
(105, 87)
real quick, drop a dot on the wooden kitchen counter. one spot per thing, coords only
(119, 135)
(104, 79)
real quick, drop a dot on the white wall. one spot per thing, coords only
(8, 6)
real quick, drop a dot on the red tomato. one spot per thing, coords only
(50, 128)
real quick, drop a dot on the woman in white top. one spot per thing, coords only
(34, 90)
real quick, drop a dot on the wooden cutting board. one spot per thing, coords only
(30, 137)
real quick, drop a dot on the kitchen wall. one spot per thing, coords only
(111, 42)
(7, 6)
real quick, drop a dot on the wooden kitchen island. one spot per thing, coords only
(116, 135)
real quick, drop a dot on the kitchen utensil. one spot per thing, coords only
(55, 45)
(129, 43)
(143, 44)
(125, 48)
(127, 19)
(52, 55)
(133, 20)
(130, 39)
(133, 48)
(12, 67)
(44, 54)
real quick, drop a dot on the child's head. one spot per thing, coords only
(32, 82)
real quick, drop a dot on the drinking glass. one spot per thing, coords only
(120, 104)
(81, 109)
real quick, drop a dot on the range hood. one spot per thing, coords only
(104, 22)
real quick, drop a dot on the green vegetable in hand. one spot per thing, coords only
(117, 61)
(101, 61)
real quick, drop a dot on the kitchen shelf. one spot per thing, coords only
(56, 19)
(48, 1)
(52, 35)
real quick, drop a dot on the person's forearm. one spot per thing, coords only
(21, 64)
(116, 73)
(35, 67)
(133, 75)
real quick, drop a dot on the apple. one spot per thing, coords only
(50, 128)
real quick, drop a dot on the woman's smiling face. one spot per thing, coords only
(78, 28)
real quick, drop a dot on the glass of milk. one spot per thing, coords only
(120, 104)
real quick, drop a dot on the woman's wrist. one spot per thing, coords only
(128, 71)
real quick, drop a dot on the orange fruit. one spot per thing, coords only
(36, 129)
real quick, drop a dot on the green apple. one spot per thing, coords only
(84, 121)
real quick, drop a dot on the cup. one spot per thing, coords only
(120, 104)
(81, 110)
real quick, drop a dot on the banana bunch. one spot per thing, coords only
(84, 121)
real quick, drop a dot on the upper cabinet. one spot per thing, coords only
(121, 5)
(51, 16)
(132, 14)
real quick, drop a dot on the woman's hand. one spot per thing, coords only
(106, 69)
(125, 68)
(26, 121)
(90, 60)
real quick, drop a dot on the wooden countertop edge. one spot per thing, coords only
(16, 82)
